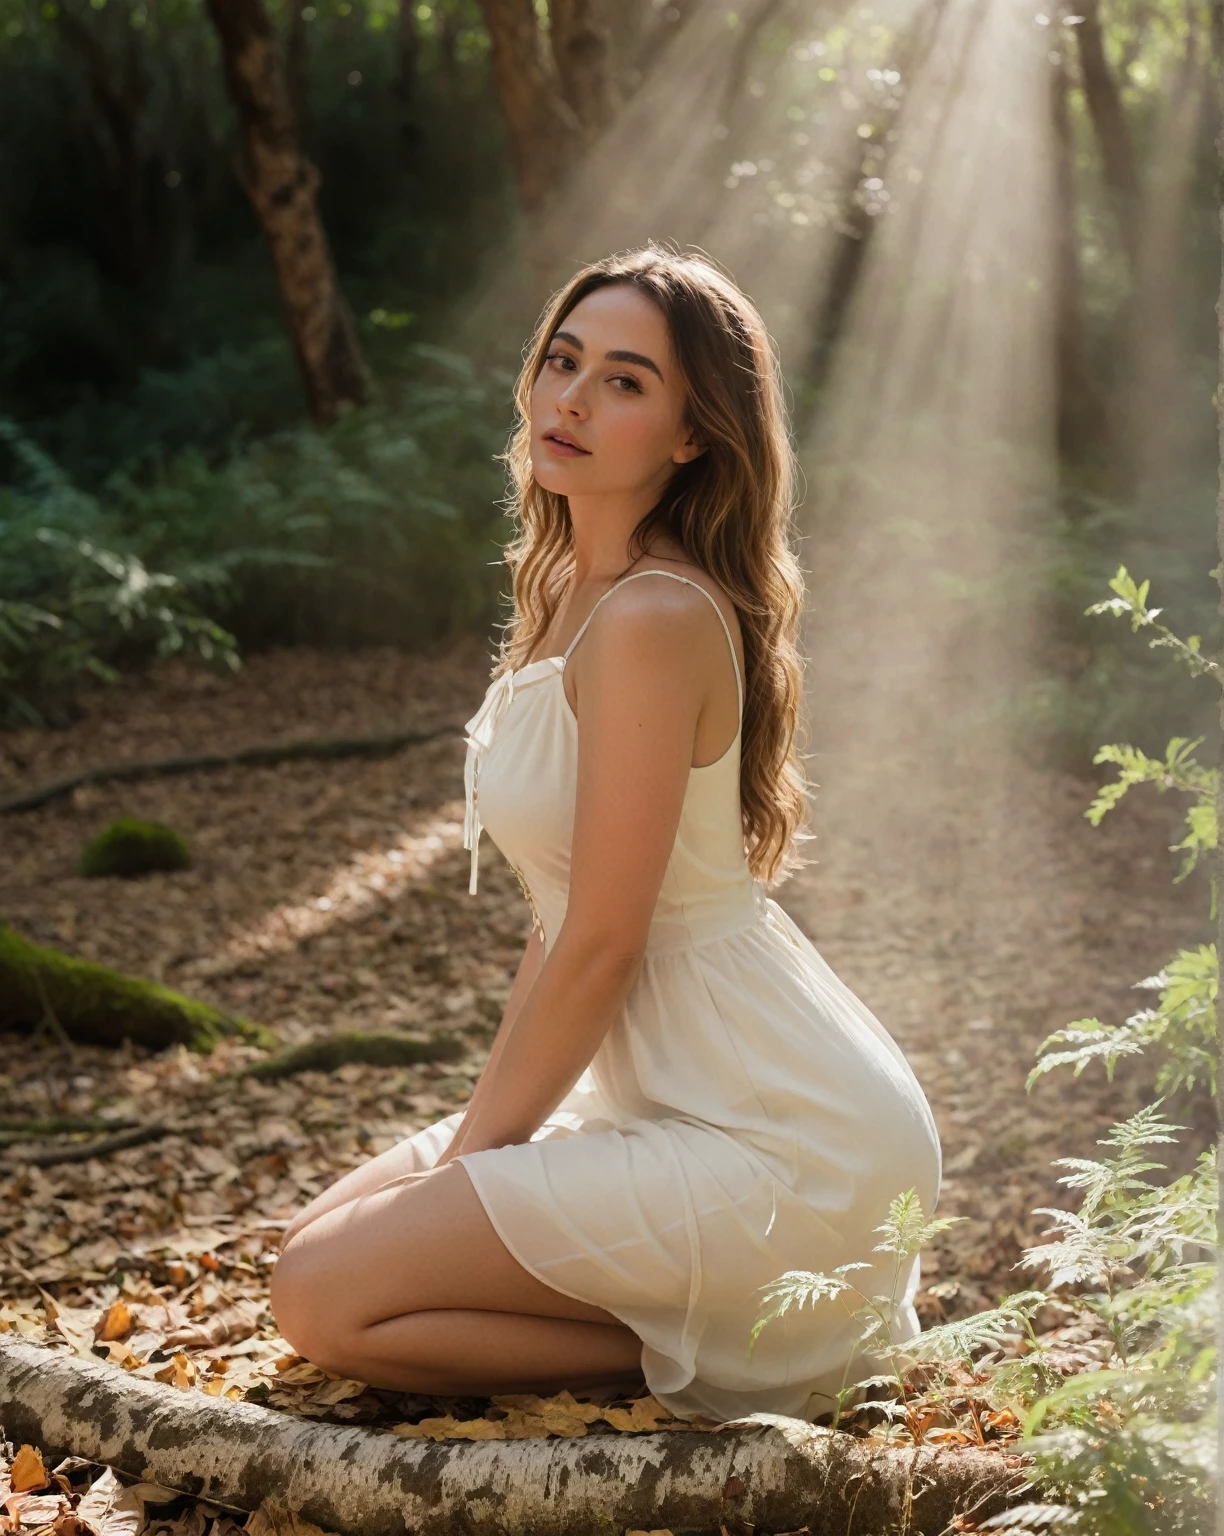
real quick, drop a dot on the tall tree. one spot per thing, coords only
(582, 47)
(283, 187)
(297, 67)
(1081, 416)
(1109, 125)
(543, 130)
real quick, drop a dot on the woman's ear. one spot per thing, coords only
(688, 450)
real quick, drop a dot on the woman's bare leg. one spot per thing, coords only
(394, 1163)
(409, 1287)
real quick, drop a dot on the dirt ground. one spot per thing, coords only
(331, 896)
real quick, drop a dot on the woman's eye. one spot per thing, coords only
(558, 357)
(626, 378)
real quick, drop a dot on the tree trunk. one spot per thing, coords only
(283, 187)
(543, 131)
(297, 69)
(1109, 125)
(774, 1475)
(1081, 417)
(97, 1006)
(582, 47)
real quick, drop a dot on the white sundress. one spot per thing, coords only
(745, 1114)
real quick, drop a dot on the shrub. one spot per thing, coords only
(382, 529)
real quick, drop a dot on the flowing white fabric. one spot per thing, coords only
(745, 1114)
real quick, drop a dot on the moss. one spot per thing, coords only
(104, 1007)
(373, 1049)
(130, 847)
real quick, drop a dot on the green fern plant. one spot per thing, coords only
(905, 1231)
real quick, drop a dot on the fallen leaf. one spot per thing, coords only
(115, 1322)
(69, 1523)
(28, 1473)
(111, 1508)
(33, 1511)
(228, 1326)
(448, 1428)
(180, 1372)
(564, 1403)
(120, 1352)
(645, 1413)
(275, 1518)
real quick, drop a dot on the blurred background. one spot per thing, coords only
(266, 272)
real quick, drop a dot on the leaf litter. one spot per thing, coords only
(333, 896)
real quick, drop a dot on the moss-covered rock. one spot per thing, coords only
(103, 1007)
(130, 847)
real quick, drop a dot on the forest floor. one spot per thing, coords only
(332, 896)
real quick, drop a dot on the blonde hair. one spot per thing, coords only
(732, 510)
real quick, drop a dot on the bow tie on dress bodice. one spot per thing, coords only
(480, 730)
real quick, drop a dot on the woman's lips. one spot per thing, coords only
(565, 450)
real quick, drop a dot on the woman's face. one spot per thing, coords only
(607, 410)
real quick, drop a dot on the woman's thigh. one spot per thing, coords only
(394, 1163)
(423, 1245)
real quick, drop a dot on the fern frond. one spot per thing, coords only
(906, 1229)
(959, 1339)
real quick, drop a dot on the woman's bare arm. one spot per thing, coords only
(645, 673)
(529, 966)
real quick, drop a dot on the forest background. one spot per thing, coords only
(154, 410)
(265, 277)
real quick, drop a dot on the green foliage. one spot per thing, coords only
(1183, 1023)
(382, 528)
(1129, 1450)
(1126, 1450)
(131, 847)
(76, 594)
(905, 1231)
(1092, 683)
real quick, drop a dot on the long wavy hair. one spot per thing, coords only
(731, 509)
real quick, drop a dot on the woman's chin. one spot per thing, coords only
(551, 476)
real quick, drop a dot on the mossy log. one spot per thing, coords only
(767, 1475)
(98, 1006)
(371, 1049)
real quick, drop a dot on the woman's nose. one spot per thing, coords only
(573, 398)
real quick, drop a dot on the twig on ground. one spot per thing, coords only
(324, 749)
(81, 1152)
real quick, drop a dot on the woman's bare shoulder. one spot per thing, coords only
(690, 571)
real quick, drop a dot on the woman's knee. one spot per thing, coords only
(308, 1313)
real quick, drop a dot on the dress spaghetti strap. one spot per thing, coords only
(672, 576)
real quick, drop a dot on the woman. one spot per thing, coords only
(682, 1101)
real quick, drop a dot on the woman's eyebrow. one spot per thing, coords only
(634, 357)
(612, 357)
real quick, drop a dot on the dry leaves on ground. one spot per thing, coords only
(78, 1498)
(333, 896)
